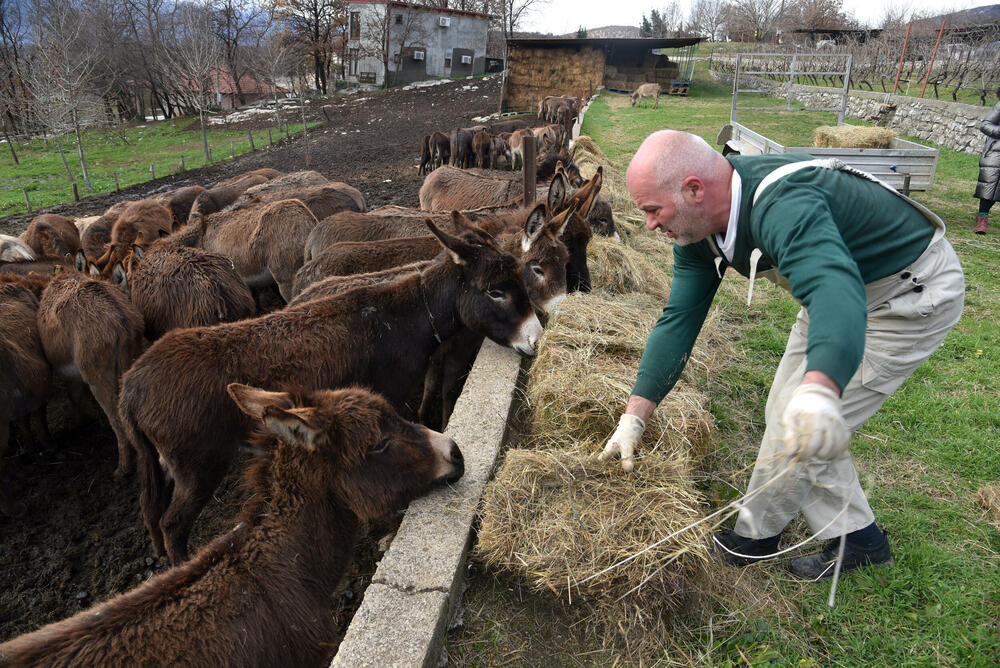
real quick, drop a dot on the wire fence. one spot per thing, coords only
(38, 191)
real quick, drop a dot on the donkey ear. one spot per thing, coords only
(590, 191)
(81, 262)
(295, 426)
(456, 247)
(558, 223)
(558, 189)
(93, 270)
(119, 278)
(534, 224)
(254, 401)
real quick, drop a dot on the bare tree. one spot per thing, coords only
(707, 18)
(192, 54)
(319, 26)
(388, 33)
(13, 93)
(513, 12)
(239, 26)
(274, 60)
(754, 18)
(61, 75)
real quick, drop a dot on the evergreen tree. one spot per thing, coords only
(658, 25)
(646, 30)
(581, 32)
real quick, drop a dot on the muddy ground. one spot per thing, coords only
(79, 539)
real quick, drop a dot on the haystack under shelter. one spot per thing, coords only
(537, 67)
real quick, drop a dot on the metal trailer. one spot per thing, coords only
(905, 165)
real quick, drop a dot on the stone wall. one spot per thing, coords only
(950, 124)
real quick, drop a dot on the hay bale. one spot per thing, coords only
(558, 518)
(988, 497)
(584, 372)
(616, 268)
(588, 158)
(852, 136)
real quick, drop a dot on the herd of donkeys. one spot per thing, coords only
(155, 307)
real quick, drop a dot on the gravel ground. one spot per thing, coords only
(79, 539)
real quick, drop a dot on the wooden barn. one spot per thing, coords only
(537, 67)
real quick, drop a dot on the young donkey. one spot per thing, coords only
(259, 595)
(174, 396)
(646, 90)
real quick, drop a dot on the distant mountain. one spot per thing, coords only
(974, 16)
(610, 32)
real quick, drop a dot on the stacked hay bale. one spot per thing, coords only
(562, 521)
(534, 72)
(654, 69)
(852, 136)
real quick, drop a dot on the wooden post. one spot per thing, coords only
(906, 184)
(76, 193)
(287, 134)
(183, 168)
(210, 161)
(528, 148)
(232, 149)
(115, 174)
(152, 170)
(27, 200)
(269, 139)
(250, 137)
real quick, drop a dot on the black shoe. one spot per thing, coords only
(728, 541)
(817, 566)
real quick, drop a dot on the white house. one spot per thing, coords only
(419, 42)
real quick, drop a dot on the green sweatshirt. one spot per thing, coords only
(828, 232)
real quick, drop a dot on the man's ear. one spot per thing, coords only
(693, 190)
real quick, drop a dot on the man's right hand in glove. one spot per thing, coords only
(624, 441)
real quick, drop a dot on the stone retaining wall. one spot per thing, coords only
(950, 124)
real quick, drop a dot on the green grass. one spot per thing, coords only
(921, 458)
(129, 153)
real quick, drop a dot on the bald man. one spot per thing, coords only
(879, 285)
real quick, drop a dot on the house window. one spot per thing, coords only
(355, 25)
(447, 62)
(352, 57)
(399, 19)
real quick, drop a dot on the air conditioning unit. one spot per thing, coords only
(418, 55)
(444, 21)
(466, 60)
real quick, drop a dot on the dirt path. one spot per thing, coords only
(80, 539)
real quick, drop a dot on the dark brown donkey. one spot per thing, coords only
(259, 595)
(174, 396)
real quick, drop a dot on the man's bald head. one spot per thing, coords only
(669, 156)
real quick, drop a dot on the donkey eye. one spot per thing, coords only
(497, 295)
(538, 271)
(381, 447)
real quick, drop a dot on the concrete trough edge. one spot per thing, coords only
(417, 587)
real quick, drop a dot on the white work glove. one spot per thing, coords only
(813, 424)
(624, 440)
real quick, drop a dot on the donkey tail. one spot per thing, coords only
(154, 497)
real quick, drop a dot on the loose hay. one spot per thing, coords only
(988, 497)
(558, 518)
(588, 158)
(619, 269)
(584, 372)
(852, 136)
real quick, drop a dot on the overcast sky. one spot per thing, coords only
(563, 16)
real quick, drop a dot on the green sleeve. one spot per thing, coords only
(669, 344)
(795, 227)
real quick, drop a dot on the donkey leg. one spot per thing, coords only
(192, 490)
(105, 390)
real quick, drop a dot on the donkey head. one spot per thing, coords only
(578, 232)
(544, 257)
(492, 300)
(352, 447)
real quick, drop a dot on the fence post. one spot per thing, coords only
(232, 149)
(76, 193)
(117, 189)
(906, 184)
(183, 168)
(27, 200)
(250, 137)
(269, 139)
(210, 161)
(528, 175)
(286, 130)
(152, 170)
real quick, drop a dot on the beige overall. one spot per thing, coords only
(909, 315)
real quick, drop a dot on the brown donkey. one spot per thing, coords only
(175, 286)
(174, 398)
(52, 235)
(259, 595)
(91, 332)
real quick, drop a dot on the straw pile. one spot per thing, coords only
(588, 157)
(619, 269)
(988, 497)
(851, 136)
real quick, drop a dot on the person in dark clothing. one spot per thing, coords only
(988, 187)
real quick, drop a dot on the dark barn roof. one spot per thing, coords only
(613, 42)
